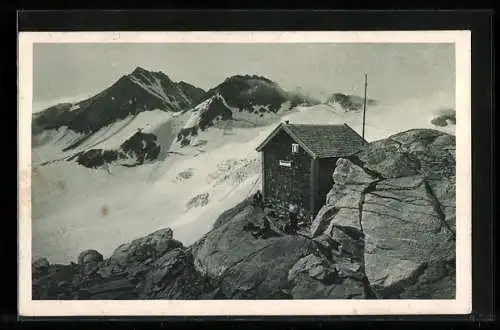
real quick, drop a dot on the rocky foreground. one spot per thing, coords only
(387, 231)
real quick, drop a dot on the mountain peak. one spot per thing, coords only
(139, 70)
(140, 90)
(247, 77)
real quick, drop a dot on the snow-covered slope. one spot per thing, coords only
(55, 144)
(74, 206)
(112, 126)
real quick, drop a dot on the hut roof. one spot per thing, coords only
(321, 141)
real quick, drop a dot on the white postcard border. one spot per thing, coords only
(460, 305)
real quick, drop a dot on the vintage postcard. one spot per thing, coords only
(244, 173)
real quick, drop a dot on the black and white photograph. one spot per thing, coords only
(247, 167)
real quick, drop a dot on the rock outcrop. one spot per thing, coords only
(387, 231)
(279, 266)
(156, 266)
(392, 208)
(136, 150)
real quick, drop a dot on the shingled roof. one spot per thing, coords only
(321, 141)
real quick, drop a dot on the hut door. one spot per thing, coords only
(282, 180)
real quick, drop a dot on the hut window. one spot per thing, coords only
(295, 148)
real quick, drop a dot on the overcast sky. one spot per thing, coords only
(395, 71)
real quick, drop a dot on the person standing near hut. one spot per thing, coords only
(258, 199)
(292, 215)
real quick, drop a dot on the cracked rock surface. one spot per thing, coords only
(405, 190)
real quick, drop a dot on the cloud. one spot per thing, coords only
(44, 104)
(445, 118)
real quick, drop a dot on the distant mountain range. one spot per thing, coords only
(186, 110)
(138, 91)
(144, 90)
(245, 98)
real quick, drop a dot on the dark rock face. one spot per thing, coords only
(155, 266)
(51, 117)
(228, 263)
(216, 110)
(242, 93)
(256, 268)
(277, 267)
(173, 277)
(40, 266)
(387, 231)
(95, 158)
(139, 91)
(90, 261)
(392, 210)
(140, 147)
(198, 201)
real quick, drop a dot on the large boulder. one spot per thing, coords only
(315, 277)
(145, 248)
(392, 211)
(342, 202)
(40, 266)
(405, 231)
(90, 261)
(173, 276)
(263, 273)
(280, 267)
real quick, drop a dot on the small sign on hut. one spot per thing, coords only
(286, 163)
(298, 161)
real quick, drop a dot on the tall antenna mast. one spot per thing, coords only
(364, 106)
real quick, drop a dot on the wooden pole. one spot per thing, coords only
(364, 106)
